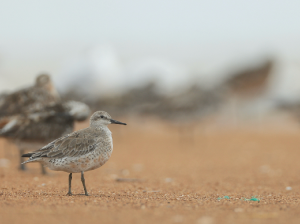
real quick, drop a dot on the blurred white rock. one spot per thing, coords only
(168, 180)
(178, 218)
(205, 220)
(138, 167)
(5, 163)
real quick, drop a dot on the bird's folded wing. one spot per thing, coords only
(72, 145)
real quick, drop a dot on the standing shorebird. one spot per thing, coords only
(80, 151)
(32, 130)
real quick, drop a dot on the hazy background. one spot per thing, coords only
(107, 48)
(210, 91)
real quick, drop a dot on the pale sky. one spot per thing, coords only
(203, 36)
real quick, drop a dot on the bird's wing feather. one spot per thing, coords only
(75, 144)
(7, 124)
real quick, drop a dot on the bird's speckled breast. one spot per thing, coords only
(90, 161)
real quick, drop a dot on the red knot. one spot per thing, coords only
(27, 100)
(80, 151)
(35, 129)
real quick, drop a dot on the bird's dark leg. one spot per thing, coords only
(44, 171)
(22, 166)
(83, 183)
(70, 182)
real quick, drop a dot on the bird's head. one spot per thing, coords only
(102, 118)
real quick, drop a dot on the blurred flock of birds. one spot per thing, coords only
(242, 90)
(36, 115)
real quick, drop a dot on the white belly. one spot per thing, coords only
(84, 163)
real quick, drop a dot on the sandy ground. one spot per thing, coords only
(175, 175)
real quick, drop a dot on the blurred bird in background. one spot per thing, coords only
(32, 98)
(36, 115)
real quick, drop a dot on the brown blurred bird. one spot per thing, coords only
(32, 130)
(33, 98)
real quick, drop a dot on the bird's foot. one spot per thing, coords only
(44, 171)
(22, 167)
(69, 194)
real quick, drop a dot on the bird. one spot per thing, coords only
(34, 129)
(32, 98)
(27, 100)
(80, 151)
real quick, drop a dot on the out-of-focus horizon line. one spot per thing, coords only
(202, 40)
(116, 70)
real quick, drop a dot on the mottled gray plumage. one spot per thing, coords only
(80, 151)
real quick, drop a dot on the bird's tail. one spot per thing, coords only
(28, 154)
(30, 159)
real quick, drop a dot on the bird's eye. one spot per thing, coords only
(102, 116)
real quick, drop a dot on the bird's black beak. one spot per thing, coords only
(116, 122)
